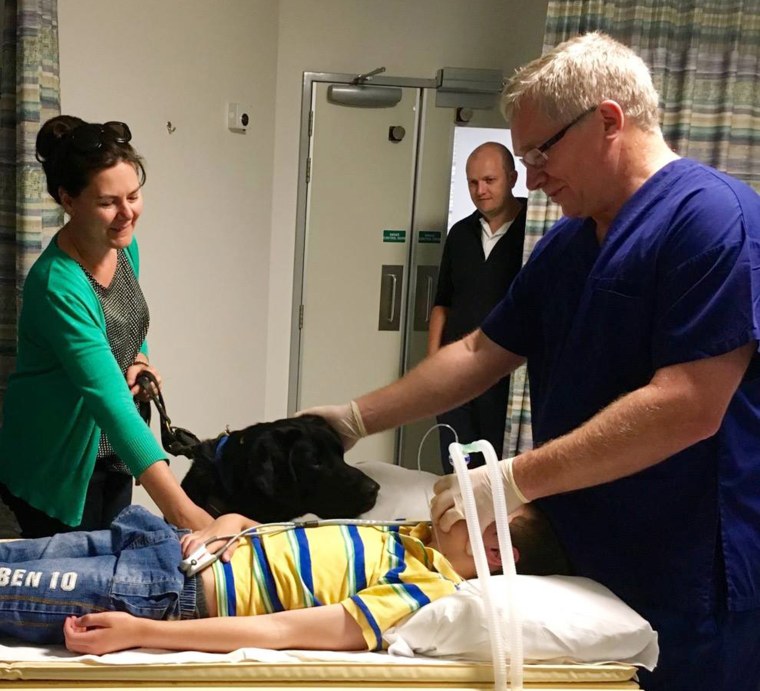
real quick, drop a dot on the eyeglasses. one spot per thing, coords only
(91, 137)
(536, 157)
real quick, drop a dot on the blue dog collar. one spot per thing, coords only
(221, 471)
(219, 447)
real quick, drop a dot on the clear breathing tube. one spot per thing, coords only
(475, 533)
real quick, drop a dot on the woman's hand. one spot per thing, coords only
(133, 371)
(104, 632)
(229, 524)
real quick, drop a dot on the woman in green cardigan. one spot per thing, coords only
(72, 438)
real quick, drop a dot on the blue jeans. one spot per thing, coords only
(132, 567)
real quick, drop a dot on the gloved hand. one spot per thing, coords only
(345, 419)
(447, 506)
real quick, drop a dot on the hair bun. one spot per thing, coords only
(52, 132)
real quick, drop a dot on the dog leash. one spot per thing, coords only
(176, 440)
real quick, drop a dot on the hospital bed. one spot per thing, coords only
(439, 647)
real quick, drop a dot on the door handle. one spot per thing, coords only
(393, 297)
(424, 295)
(429, 303)
(389, 315)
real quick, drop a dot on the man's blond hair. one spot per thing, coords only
(581, 73)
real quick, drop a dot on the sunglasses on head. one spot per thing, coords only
(91, 137)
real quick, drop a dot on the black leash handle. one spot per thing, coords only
(175, 440)
(147, 381)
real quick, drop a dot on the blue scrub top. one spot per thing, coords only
(676, 279)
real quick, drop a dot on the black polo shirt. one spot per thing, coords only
(470, 285)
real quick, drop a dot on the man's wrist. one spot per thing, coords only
(509, 477)
(361, 430)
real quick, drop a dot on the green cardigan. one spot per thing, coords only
(66, 389)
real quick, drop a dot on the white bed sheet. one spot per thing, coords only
(10, 651)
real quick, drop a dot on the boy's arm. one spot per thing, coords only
(316, 628)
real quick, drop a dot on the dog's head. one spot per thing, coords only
(280, 470)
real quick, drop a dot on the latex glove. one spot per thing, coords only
(345, 419)
(447, 506)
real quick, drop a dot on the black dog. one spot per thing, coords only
(277, 471)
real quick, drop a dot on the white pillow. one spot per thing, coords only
(404, 493)
(565, 618)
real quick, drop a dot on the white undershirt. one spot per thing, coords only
(490, 239)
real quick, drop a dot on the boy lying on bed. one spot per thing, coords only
(122, 588)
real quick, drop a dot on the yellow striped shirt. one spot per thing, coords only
(378, 574)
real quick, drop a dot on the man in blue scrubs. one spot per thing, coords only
(639, 317)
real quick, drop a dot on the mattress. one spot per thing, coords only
(27, 668)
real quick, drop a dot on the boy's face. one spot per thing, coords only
(454, 545)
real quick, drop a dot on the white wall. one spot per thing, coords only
(411, 39)
(204, 234)
(217, 234)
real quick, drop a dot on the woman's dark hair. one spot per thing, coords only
(540, 551)
(70, 166)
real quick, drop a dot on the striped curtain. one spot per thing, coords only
(704, 56)
(29, 95)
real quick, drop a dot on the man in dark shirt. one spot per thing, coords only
(482, 254)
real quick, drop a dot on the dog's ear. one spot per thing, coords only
(319, 429)
(322, 445)
(253, 461)
(264, 478)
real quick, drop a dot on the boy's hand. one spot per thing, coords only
(104, 632)
(226, 525)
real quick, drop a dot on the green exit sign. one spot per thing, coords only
(394, 236)
(430, 237)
